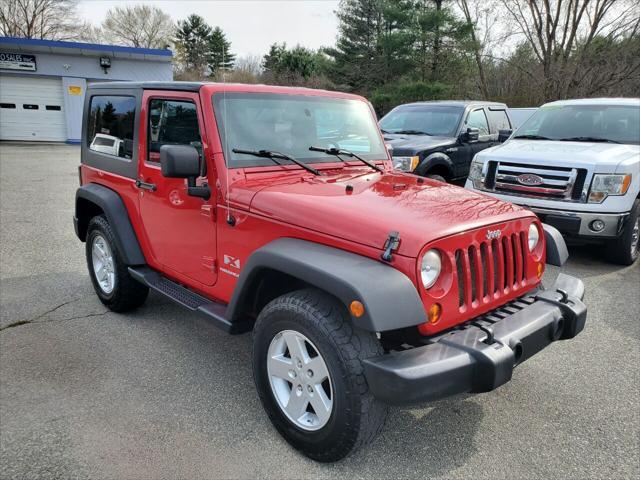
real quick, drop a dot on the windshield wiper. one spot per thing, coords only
(587, 139)
(276, 155)
(533, 137)
(338, 151)
(413, 132)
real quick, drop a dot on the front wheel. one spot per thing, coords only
(307, 364)
(625, 249)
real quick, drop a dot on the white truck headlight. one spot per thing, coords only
(476, 174)
(534, 236)
(430, 268)
(604, 185)
(405, 164)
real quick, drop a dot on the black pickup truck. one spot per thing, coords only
(438, 139)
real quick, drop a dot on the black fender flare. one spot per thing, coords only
(113, 207)
(435, 159)
(557, 253)
(390, 298)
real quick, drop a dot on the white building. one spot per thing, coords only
(43, 83)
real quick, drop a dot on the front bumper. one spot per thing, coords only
(480, 355)
(580, 223)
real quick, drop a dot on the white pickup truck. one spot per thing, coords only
(576, 164)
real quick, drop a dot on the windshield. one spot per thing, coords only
(433, 120)
(290, 124)
(614, 123)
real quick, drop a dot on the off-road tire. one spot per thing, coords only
(127, 293)
(357, 417)
(619, 250)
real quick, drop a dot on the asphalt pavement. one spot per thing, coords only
(160, 393)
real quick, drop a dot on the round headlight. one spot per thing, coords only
(534, 236)
(430, 268)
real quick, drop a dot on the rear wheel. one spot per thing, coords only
(625, 249)
(115, 288)
(307, 363)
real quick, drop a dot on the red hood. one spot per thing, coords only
(377, 205)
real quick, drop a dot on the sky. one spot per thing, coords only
(250, 25)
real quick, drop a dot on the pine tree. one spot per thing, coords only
(192, 44)
(219, 52)
(374, 42)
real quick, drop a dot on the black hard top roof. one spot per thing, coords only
(181, 86)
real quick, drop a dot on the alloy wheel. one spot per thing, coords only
(300, 380)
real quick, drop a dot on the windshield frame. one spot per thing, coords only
(545, 109)
(463, 110)
(314, 157)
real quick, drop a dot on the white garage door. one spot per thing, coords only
(31, 108)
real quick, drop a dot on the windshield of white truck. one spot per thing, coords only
(290, 124)
(422, 120)
(584, 123)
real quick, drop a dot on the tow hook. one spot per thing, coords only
(574, 312)
(391, 244)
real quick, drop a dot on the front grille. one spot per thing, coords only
(561, 183)
(490, 269)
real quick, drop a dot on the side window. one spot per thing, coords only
(172, 122)
(477, 119)
(499, 120)
(111, 125)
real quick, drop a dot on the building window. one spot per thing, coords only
(111, 125)
(56, 108)
(7, 105)
(30, 106)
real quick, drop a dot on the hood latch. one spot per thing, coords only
(391, 244)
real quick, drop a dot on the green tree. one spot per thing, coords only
(293, 66)
(192, 45)
(219, 52)
(440, 36)
(374, 43)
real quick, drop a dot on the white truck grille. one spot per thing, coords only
(539, 181)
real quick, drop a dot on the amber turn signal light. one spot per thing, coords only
(540, 269)
(356, 308)
(434, 313)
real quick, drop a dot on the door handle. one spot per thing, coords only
(146, 186)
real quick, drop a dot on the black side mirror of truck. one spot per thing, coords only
(470, 135)
(503, 135)
(183, 161)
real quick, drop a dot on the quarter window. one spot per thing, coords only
(478, 119)
(172, 122)
(111, 125)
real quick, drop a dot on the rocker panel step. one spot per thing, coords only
(213, 311)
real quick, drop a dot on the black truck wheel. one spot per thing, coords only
(625, 249)
(307, 366)
(111, 280)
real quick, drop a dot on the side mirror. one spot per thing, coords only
(503, 135)
(179, 161)
(183, 161)
(472, 134)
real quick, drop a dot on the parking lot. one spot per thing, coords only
(160, 393)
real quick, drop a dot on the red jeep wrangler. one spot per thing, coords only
(275, 210)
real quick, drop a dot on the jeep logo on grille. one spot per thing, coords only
(491, 234)
(530, 179)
